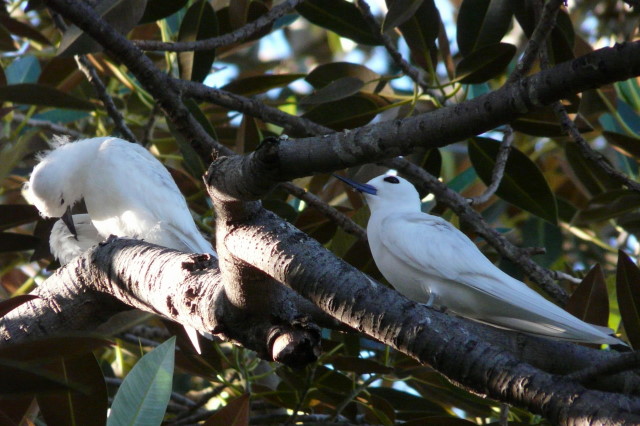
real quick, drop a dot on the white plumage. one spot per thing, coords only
(430, 261)
(127, 192)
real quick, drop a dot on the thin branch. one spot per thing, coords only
(412, 72)
(47, 125)
(236, 36)
(498, 168)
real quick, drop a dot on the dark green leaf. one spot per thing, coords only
(11, 241)
(399, 12)
(20, 377)
(325, 74)
(159, 9)
(628, 291)
(282, 209)
(627, 145)
(348, 113)
(36, 94)
(17, 214)
(539, 233)
(608, 205)
(341, 17)
(22, 30)
(590, 301)
(6, 42)
(144, 393)
(485, 63)
(80, 408)
(545, 123)
(420, 32)
(122, 15)
(8, 305)
(442, 421)
(523, 184)
(192, 161)
(403, 401)
(592, 177)
(482, 23)
(199, 23)
(336, 90)
(260, 84)
(234, 413)
(359, 365)
(48, 348)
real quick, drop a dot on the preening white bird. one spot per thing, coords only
(430, 261)
(127, 192)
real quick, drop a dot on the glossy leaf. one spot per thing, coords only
(336, 90)
(594, 180)
(485, 63)
(628, 145)
(6, 41)
(545, 123)
(482, 23)
(192, 161)
(590, 301)
(22, 378)
(399, 12)
(11, 241)
(523, 184)
(260, 84)
(420, 32)
(23, 70)
(12, 215)
(8, 305)
(628, 291)
(359, 365)
(540, 233)
(403, 401)
(200, 22)
(122, 15)
(36, 94)
(159, 9)
(234, 413)
(49, 348)
(339, 16)
(81, 408)
(325, 74)
(608, 205)
(347, 113)
(145, 391)
(21, 29)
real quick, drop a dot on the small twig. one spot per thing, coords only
(543, 28)
(412, 72)
(147, 132)
(498, 168)
(624, 362)
(348, 225)
(559, 275)
(47, 125)
(504, 415)
(236, 36)
(92, 76)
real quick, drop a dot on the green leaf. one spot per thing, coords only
(22, 30)
(358, 365)
(6, 41)
(403, 401)
(608, 205)
(628, 290)
(539, 233)
(49, 348)
(25, 69)
(420, 32)
(190, 158)
(260, 84)
(234, 413)
(348, 113)
(37, 94)
(77, 408)
(334, 91)
(21, 377)
(592, 177)
(122, 15)
(482, 23)
(485, 63)
(8, 305)
(200, 22)
(159, 9)
(17, 214)
(144, 394)
(399, 12)
(545, 123)
(627, 145)
(11, 241)
(590, 301)
(341, 17)
(523, 184)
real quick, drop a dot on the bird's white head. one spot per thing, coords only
(56, 182)
(387, 192)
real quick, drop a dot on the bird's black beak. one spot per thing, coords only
(67, 219)
(362, 187)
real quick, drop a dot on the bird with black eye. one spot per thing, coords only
(430, 261)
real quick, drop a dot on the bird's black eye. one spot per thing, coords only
(391, 179)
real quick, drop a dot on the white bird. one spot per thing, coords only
(127, 192)
(430, 261)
